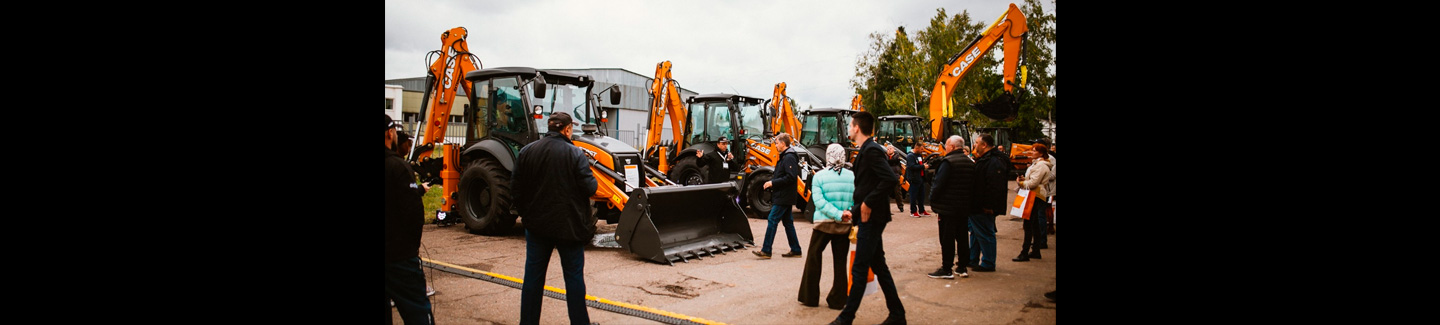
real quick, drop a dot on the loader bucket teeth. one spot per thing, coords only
(664, 223)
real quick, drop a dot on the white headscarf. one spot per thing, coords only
(835, 157)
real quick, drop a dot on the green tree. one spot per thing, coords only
(1037, 101)
(943, 41)
(896, 76)
(873, 78)
(907, 69)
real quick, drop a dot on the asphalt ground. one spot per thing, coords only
(739, 288)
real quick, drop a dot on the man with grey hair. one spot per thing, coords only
(954, 191)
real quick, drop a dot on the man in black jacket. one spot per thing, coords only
(782, 197)
(991, 188)
(954, 203)
(873, 182)
(716, 162)
(404, 218)
(915, 174)
(553, 185)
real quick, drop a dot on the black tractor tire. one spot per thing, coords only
(758, 197)
(485, 199)
(602, 211)
(687, 172)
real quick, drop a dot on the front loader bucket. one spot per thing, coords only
(678, 223)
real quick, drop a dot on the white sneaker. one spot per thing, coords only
(428, 291)
(964, 274)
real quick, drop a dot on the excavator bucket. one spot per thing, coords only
(1004, 107)
(678, 223)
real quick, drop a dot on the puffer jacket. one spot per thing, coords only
(834, 194)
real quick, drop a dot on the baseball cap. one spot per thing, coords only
(724, 140)
(559, 120)
(390, 122)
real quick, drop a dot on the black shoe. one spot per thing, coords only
(762, 254)
(893, 321)
(810, 305)
(1042, 246)
(1050, 295)
(791, 254)
(1022, 258)
(1035, 255)
(837, 321)
(982, 269)
(943, 273)
(973, 265)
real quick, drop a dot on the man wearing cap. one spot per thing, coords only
(719, 167)
(404, 218)
(552, 187)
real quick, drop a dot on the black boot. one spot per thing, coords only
(1035, 254)
(1024, 256)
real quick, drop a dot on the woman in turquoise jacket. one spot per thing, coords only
(832, 194)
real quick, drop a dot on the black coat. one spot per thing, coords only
(953, 193)
(992, 181)
(914, 168)
(404, 210)
(552, 186)
(782, 183)
(874, 181)
(714, 162)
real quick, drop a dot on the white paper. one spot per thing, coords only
(632, 176)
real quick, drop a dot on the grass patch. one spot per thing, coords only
(432, 202)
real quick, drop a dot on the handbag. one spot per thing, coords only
(833, 227)
(1024, 200)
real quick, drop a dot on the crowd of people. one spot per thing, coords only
(851, 204)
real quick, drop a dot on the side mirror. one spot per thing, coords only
(615, 95)
(538, 86)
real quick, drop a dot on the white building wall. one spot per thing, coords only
(394, 92)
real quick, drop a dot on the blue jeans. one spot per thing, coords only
(781, 213)
(982, 238)
(537, 261)
(917, 195)
(405, 285)
(870, 256)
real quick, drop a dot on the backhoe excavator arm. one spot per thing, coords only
(1011, 29)
(665, 100)
(785, 119)
(855, 104)
(446, 76)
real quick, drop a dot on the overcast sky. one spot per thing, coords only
(741, 46)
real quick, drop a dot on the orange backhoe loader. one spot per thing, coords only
(658, 220)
